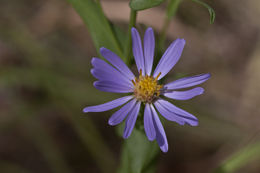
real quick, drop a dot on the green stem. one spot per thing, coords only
(127, 52)
(163, 33)
(171, 11)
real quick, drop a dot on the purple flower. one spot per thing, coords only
(116, 77)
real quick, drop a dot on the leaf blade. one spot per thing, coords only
(138, 155)
(98, 25)
(210, 9)
(144, 4)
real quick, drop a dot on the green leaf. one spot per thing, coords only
(97, 24)
(211, 11)
(172, 8)
(139, 154)
(144, 4)
(120, 35)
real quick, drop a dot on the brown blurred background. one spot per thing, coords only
(45, 81)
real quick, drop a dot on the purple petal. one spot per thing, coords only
(184, 95)
(170, 108)
(160, 133)
(149, 45)
(104, 75)
(100, 66)
(109, 86)
(109, 105)
(169, 58)
(168, 114)
(148, 123)
(130, 121)
(120, 115)
(117, 62)
(188, 81)
(138, 50)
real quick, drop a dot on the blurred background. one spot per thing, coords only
(45, 81)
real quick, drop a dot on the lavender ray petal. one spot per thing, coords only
(169, 58)
(168, 115)
(117, 62)
(188, 81)
(138, 50)
(104, 75)
(160, 133)
(103, 67)
(109, 105)
(186, 116)
(108, 86)
(148, 123)
(149, 44)
(130, 121)
(120, 115)
(184, 95)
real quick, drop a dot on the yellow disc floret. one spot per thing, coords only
(146, 88)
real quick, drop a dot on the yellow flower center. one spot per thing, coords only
(146, 88)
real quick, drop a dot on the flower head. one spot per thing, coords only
(145, 88)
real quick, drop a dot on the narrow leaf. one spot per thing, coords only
(144, 4)
(240, 159)
(211, 11)
(97, 24)
(120, 35)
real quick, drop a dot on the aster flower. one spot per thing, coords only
(116, 77)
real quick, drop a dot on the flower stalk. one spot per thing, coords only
(171, 11)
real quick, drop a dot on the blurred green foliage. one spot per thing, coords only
(45, 83)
